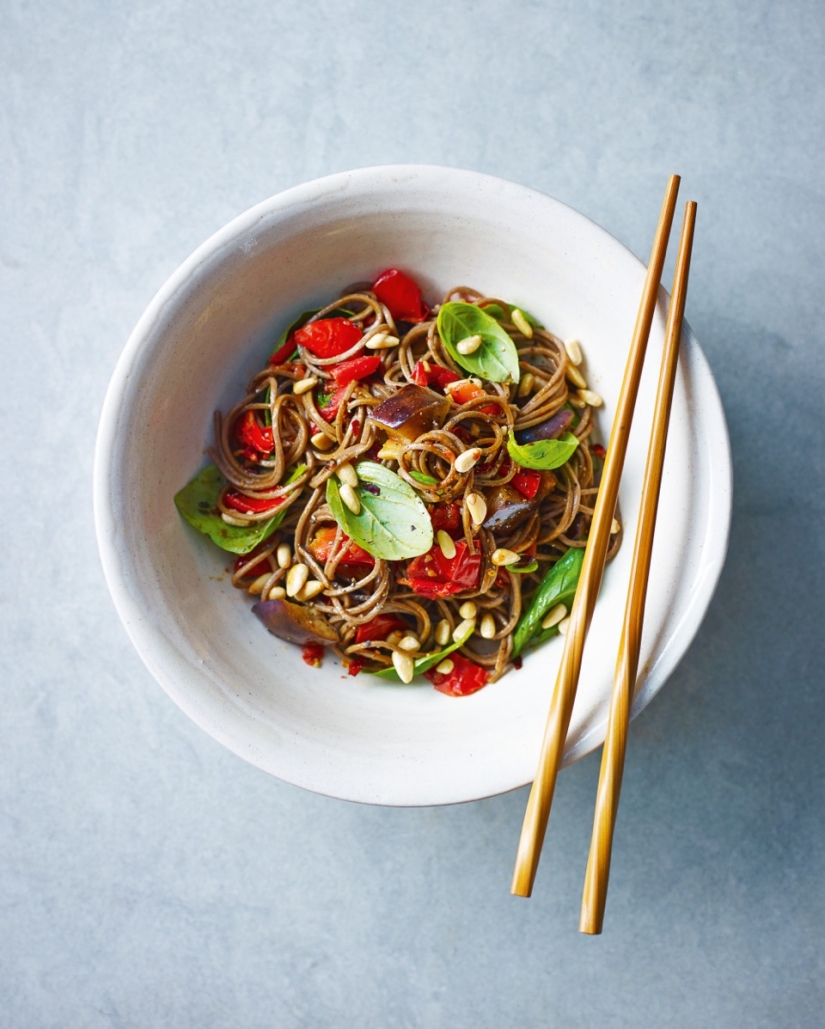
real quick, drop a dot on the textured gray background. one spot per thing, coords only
(150, 878)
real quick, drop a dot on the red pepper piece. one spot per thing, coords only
(446, 516)
(251, 434)
(435, 375)
(434, 575)
(354, 559)
(355, 666)
(598, 450)
(355, 369)
(401, 295)
(329, 337)
(261, 568)
(312, 653)
(329, 410)
(282, 354)
(527, 481)
(468, 391)
(465, 678)
(250, 505)
(379, 628)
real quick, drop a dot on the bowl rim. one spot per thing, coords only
(156, 656)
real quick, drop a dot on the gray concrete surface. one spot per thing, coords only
(148, 878)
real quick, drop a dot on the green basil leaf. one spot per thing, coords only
(496, 359)
(424, 664)
(497, 311)
(557, 587)
(545, 454)
(425, 480)
(392, 524)
(523, 569)
(198, 501)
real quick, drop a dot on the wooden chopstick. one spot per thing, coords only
(627, 665)
(564, 693)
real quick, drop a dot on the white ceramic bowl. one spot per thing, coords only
(209, 329)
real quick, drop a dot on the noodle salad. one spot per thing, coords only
(410, 487)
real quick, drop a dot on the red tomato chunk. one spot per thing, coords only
(250, 505)
(312, 653)
(256, 437)
(434, 575)
(355, 369)
(465, 678)
(328, 337)
(354, 559)
(401, 295)
(379, 628)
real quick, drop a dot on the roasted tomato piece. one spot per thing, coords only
(410, 412)
(355, 665)
(434, 575)
(446, 517)
(249, 433)
(379, 628)
(355, 369)
(331, 402)
(465, 678)
(468, 391)
(328, 337)
(527, 481)
(312, 653)
(433, 375)
(354, 560)
(250, 505)
(261, 568)
(401, 295)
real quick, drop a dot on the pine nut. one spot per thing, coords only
(350, 498)
(258, 585)
(576, 401)
(468, 345)
(382, 341)
(615, 527)
(464, 462)
(503, 557)
(347, 474)
(525, 387)
(575, 376)
(574, 351)
(554, 616)
(395, 637)
(445, 542)
(404, 665)
(477, 506)
(468, 609)
(463, 627)
(589, 397)
(442, 633)
(521, 323)
(488, 626)
(311, 590)
(304, 385)
(321, 441)
(230, 520)
(409, 643)
(296, 579)
(445, 666)
(564, 625)
(390, 451)
(276, 593)
(283, 555)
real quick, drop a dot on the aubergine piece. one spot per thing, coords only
(294, 622)
(552, 428)
(410, 412)
(507, 508)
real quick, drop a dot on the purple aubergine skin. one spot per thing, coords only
(507, 508)
(294, 622)
(410, 412)
(551, 429)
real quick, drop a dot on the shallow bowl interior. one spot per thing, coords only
(210, 328)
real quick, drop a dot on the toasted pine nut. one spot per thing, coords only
(258, 585)
(311, 590)
(554, 616)
(296, 579)
(469, 345)
(390, 451)
(404, 665)
(615, 527)
(477, 506)
(382, 341)
(446, 666)
(346, 473)
(575, 376)
(231, 520)
(564, 625)
(488, 626)
(468, 609)
(283, 555)
(589, 397)
(445, 542)
(574, 351)
(503, 557)
(521, 323)
(409, 643)
(350, 498)
(464, 462)
(442, 633)
(576, 401)
(304, 385)
(467, 625)
(276, 593)
(395, 637)
(525, 387)
(321, 441)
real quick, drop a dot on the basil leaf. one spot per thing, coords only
(424, 664)
(496, 359)
(392, 524)
(198, 502)
(545, 454)
(496, 311)
(523, 569)
(557, 587)
(425, 480)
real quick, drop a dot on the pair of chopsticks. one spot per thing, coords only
(564, 694)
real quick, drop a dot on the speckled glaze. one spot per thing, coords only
(209, 329)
